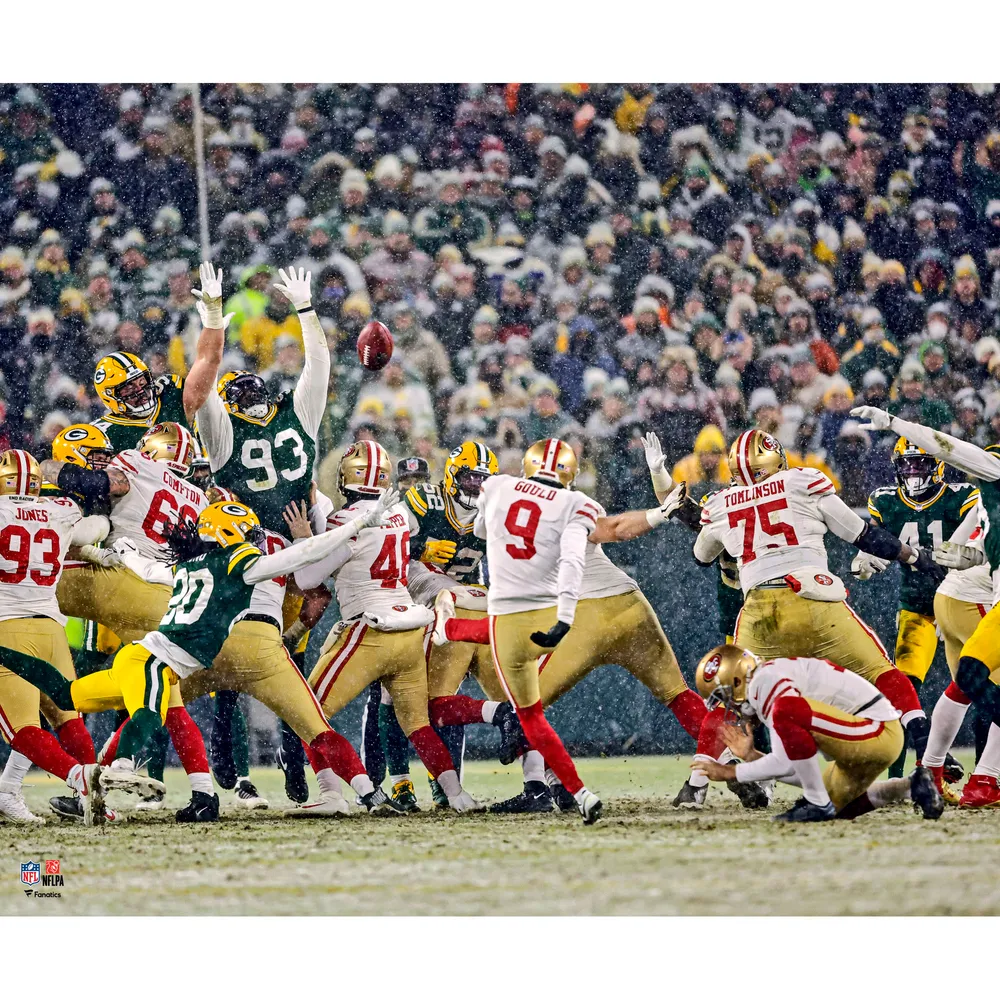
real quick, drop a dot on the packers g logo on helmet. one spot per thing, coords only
(226, 523)
(171, 444)
(551, 459)
(754, 456)
(917, 472)
(365, 468)
(468, 466)
(723, 676)
(20, 474)
(84, 445)
(125, 386)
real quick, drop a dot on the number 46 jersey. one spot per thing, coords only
(775, 527)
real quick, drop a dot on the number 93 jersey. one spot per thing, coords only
(156, 496)
(773, 528)
(35, 533)
(524, 521)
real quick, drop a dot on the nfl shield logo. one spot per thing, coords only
(30, 873)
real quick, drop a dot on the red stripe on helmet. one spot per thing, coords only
(550, 455)
(743, 458)
(23, 471)
(371, 473)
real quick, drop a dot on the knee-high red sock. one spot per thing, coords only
(43, 749)
(76, 741)
(330, 749)
(455, 710)
(111, 747)
(709, 734)
(899, 689)
(187, 740)
(690, 712)
(316, 760)
(955, 693)
(431, 750)
(468, 630)
(791, 718)
(545, 740)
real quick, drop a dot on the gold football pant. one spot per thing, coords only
(859, 749)
(116, 598)
(979, 663)
(515, 656)
(137, 679)
(19, 700)
(916, 643)
(447, 665)
(290, 609)
(254, 661)
(957, 621)
(362, 654)
(622, 629)
(778, 622)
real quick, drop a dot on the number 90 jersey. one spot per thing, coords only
(524, 521)
(773, 528)
(156, 496)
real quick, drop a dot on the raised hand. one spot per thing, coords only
(878, 420)
(654, 453)
(297, 288)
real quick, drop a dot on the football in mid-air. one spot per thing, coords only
(375, 346)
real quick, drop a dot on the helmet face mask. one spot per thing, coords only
(723, 677)
(917, 473)
(470, 485)
(467, 468)
(125, 386)
(246, 394)
(84, 445)
(138, 395)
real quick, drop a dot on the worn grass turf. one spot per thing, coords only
(643, 858)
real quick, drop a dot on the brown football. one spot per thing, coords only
(375, 346)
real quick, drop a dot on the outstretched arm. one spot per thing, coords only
(636, 523)
(91, 483)
(200, 382)
(662, 481)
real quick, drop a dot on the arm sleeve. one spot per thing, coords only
(215, 429)
(321, 510)
(90, 530)
(309, 397)
(147, 569)
(297, 557)
(773, 765)
(479, 527)
(964, 456)
(840, 519)
(572, 556)
(707, 548)
(969, 523)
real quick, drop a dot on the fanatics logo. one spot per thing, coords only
(31, 873)
(823, 580)
(712, 667)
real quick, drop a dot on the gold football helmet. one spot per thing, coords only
(20, 474)
(219, 494)
(754, 456)
(551, 459)
(467, 467)
(366, 469)
(84, 445)
(723, 675)
(917, 473)
(125, 386)
(226, 523)
(171, 444)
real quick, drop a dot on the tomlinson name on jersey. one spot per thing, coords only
(769, 488)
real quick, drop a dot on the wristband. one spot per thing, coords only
(303, 309)
(662, 481)
(654, 517)
(213, 315)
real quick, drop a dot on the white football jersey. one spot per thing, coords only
(523, 522)
(601, 577)
(819, 680)
(156, 497)
(35, 534)
(374, 578)
(975, 585)
(268, 597)
(773, 528)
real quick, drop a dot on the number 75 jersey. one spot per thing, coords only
(773, 528)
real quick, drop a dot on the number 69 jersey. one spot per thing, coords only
(35, 533)
(773, 528)
(156, 497)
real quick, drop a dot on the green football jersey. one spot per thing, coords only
(124, 434)
(209, 595)
(926, 524)
(438, 518)
(729, 593)
(271, 463)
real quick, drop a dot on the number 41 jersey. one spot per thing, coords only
(773, 528)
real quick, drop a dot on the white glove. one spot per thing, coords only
(209, 296)
(864, 565)
(464, 802)
(654, 453)
(878, 420)
(107, 558)
(956, 556)
(659, 515)
(374, 517)
(296, 288)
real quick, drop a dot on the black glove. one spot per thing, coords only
(926, 564)
(552, 637)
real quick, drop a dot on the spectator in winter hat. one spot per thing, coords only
(707, 463)
(940, 382)
(809, 384)
(873, 350)
(911, 401)
(836, 409)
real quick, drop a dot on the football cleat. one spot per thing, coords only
(247, 796)
(924, 793)
(752, 794)
(70, 807)
(438, 796)
(328, 804)
(291, 760)
(150, 803)
(379, 804)
(464, 802)
(805, 811)
(535, 798)
(947, 792)
(92, 797)
(444, 608)
(512, 741)
(981, 791)
(14, 808)
(590, 807)
(404, 794)
(690, 797)
(122, 776)
(203, 808)
(953, 770)
(562, 798)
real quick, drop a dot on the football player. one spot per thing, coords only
(36, 533)
(772, 520)
(812, 706)
(921, 509)
(977, 675)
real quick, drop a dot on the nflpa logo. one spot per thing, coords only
(52, 868)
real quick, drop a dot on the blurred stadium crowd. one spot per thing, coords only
(581, 261)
